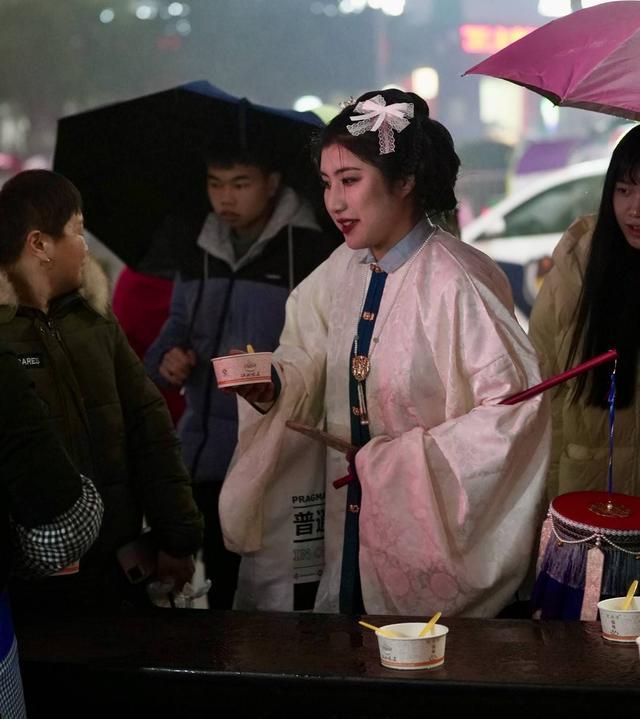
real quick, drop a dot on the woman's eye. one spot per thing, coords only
(622, 189)
(349, 180)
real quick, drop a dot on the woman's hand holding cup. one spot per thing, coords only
(256, 392)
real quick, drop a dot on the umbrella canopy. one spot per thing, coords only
(589, 59)
(139, 161)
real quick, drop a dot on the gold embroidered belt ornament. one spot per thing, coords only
(360, 366)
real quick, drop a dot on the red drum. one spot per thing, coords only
(589, 549)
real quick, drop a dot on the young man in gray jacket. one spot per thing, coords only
(235, 272)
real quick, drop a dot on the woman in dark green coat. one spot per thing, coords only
(54, 313)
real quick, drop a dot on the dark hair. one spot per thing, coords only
(424, 150)
(34, 200)
(225, 155)
(609, 306)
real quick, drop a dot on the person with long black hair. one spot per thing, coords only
(588, 304)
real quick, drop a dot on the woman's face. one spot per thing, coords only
(626, 207)
(368, 212)
(68, 254)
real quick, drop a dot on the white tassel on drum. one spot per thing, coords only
(592, 584)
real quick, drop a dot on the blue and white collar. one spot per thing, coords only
(403, 250)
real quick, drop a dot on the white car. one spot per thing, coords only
(521, 231)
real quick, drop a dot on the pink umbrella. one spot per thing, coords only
(589, 59)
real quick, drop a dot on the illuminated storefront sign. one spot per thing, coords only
(487, 39)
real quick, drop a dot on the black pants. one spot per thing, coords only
(221, 565)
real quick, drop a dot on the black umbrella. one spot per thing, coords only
(139, 161)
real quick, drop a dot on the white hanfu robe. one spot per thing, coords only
(452, 482)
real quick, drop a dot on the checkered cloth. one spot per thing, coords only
(49, 547)
(11, 696)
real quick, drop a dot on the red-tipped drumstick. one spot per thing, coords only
(562, 377)
(513, 399)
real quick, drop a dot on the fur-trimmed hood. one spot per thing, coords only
(112, 422)
(95, 287)
(94, 290)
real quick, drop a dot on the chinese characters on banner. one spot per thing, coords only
(307, 514)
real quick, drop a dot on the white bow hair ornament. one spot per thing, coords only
(376, 116)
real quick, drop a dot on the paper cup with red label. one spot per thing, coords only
(620, 625)
(245, 368)
(409, 651)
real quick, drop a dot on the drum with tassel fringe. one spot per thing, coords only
(589, 550)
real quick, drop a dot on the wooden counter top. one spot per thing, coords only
(169, 663)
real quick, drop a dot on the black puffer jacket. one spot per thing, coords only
(109, 417)
(37, 480)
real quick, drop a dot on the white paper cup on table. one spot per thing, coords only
(620, 625)
(409, 651)
(245, 368)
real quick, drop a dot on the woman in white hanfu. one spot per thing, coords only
(402, 343)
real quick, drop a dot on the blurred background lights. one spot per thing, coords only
(502, 107)
(352, 6)
(425, 82)
(394, 8)
(326, 112)
(560, 8)
(307, 102)
(107, 15)
(175, 8)
(550, 114)
(146, 11)
(554, 8)
(348, 7)
(183, 27)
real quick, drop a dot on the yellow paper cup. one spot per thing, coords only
(409, 651)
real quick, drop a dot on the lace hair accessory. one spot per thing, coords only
(376, 116)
